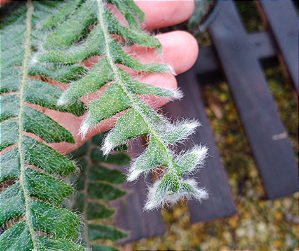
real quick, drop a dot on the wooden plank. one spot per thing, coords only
(208, 67)
(212, 176)
(282, 19)
(265, 131)
(130, 216)
(264, 49)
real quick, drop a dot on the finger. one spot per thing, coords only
(180, 51)
(4, 2)
(159, 14)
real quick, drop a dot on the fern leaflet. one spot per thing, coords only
(95, 188)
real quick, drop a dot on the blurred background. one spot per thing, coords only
(259, 224)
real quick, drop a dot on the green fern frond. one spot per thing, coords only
(72, 42)
(95, 186)
(32, 196)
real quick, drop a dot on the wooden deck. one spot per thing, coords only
(239, 58)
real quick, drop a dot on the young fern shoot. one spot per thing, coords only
(122, 94)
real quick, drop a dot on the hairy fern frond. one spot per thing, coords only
(30, 170)
(51, 39)
(63, 46)
(96, 187)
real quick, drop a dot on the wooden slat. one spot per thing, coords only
(130, 216)
(265, 131)
(212, 176)
(208, 67)
(262, 45)
(282, 19)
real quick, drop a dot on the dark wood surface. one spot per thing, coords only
(282, 19)
(257, 109)
(208, 67)
(240, 58)
(212, 176)
(264, 49)
(130, 215)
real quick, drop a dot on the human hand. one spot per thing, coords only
(180, 51)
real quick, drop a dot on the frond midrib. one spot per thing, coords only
(119, 80)
(20, 122)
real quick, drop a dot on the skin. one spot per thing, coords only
(180, 51)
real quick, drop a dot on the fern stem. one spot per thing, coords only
(132, 97)
(20, 121)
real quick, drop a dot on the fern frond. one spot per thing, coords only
(95, 186)
(62, 47)
(31, 201)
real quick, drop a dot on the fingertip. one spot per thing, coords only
(159, 14)
(180, 50)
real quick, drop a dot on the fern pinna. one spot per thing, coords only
(51, 39)
(95, 186)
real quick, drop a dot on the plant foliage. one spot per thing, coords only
(32, 169)
(96, 186)
(50, 39)
(122, 94)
